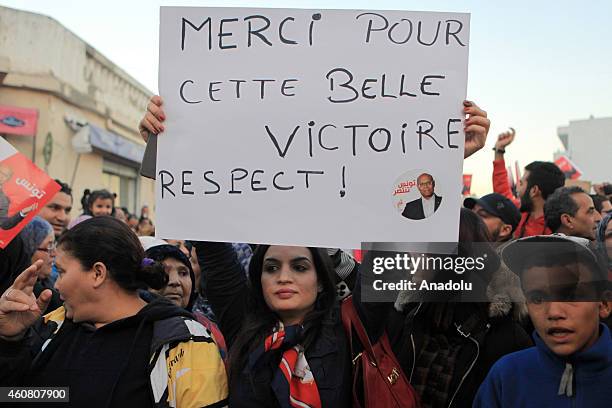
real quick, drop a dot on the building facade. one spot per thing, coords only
(88, 109)
(588, 144)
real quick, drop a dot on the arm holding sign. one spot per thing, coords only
(153, 118)
(476, 125)
(226, 286)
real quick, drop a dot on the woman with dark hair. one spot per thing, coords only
(106, 344)
(283, 329)
(447, 346)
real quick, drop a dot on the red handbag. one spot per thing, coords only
(378, 380)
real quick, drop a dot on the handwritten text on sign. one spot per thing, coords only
(293, 126)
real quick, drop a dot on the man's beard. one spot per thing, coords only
(526, 202)
(495, 234)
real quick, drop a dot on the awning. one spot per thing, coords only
(93, 137)
(18, 121)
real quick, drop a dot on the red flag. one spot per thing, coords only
(24, 191)
(467, 184)
(568, 168)
(18, 121)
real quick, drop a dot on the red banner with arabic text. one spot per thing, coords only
(24, 191)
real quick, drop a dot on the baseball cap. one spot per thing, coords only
(497, 205)
(516, 253)
(559, 250)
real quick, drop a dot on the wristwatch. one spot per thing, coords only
(500, 151)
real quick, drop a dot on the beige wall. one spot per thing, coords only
(46, 67)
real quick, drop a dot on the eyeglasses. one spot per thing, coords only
(425, 183)
(50, 248)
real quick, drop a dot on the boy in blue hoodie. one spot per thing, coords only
(571, 363)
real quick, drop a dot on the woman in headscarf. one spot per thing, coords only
(39, 244)
(181, 288)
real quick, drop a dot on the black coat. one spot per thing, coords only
(414, 209)
(496, 334)
(13, 261)
(328, 356)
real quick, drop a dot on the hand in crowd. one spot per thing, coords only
(476, 125)
(504, 139)
(153, 118)
(19, 308)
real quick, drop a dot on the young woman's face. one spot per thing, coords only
(179, 285)
(46, 252)
(289, 282)
(102, 206)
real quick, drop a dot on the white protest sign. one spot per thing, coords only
(299, 127)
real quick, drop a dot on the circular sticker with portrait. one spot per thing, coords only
(414, 194)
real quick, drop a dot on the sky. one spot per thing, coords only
(534, 65)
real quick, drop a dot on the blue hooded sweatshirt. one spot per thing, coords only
(535, 377)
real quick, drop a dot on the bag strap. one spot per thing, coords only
(350, 320)
(346, 321)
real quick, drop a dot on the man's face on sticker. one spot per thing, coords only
(426, 184)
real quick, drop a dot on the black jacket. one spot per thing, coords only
(414, 209)
(105, 367)
(13, 261)
(328, 356)
(495, 334)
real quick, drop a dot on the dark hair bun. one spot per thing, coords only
(153, 276)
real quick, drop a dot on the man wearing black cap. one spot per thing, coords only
(499, 214)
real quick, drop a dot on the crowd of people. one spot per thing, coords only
(123, 318)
